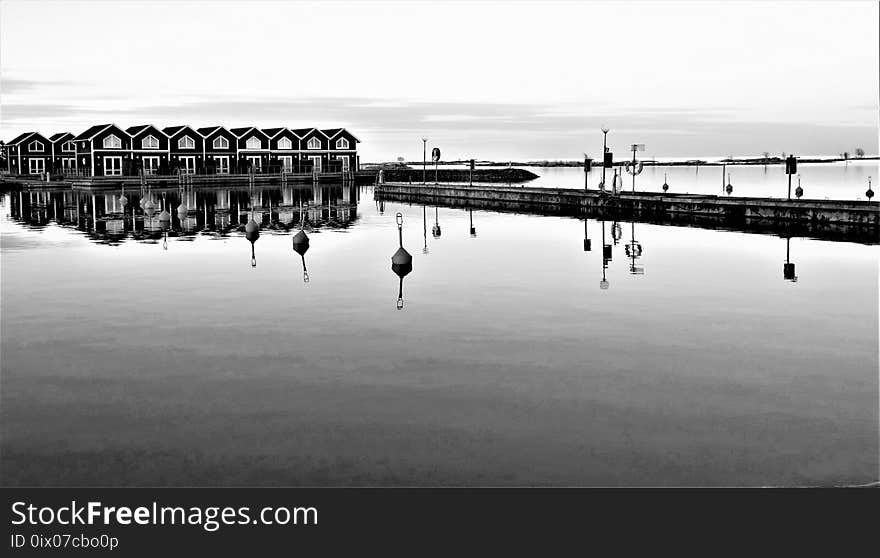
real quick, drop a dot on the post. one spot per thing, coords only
(789, 187)
(604, 151)
(424, 159)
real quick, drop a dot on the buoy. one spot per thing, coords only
(729, 187)
(123, 200)
(665, 185)
(869, 193)
(182, 210)
(300, 242)
(149, 208)
(164, 220)
(401, 261)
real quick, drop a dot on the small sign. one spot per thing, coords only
(472, 164)
(638, 147)
(435, 154)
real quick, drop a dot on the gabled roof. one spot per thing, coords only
(21, 138)
(172, 130)
(333, 132)
(54, 138)
(272, 132)
(208, 130)
(135, 130)
(93, 131)
(303, 132)
(241, 132)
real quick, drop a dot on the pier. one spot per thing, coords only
(855, 221)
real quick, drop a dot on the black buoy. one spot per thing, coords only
(252, 233)
(401, 261)
(869, 193)
(799, 191)
(665, 185)
(435, 230)
(729, 187)
(301, 246)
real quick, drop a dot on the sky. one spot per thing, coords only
(490, 80)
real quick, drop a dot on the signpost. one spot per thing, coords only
(790, 169)
(635, 167)
(435, 156)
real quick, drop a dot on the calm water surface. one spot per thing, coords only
(131, 358)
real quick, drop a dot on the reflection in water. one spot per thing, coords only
(473, 230)
(634, 252)
(436, 229)
(788, 272)
(425, 228)
(401, 261)
(606, 257)
(588, 245)
(301, 245)
(106, 219)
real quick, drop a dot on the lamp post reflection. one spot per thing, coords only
(473, 229)
(606, 257)
(588, 245)
(425, 228)
(788, 271)
(401, 261)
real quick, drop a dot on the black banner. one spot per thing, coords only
(126, 522)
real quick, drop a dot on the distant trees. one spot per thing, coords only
(860, 152)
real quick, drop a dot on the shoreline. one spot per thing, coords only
(752, 161)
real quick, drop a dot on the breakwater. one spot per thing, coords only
(492, 176)
(856, 221)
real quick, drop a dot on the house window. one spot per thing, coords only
(342, 143)
(68, 146)
(284, 143)
(150, 142)
(221, 143)
(314, 143)
(186, 142)
(112, 142)
(254, 143)
(35, 146)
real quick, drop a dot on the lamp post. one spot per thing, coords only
(605, 130)
(424, 159)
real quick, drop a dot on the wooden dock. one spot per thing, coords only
(97, 183)
(857, 221)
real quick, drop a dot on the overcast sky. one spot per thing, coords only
(492, 80)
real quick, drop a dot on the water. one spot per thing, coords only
(836, 181)
(128, 362)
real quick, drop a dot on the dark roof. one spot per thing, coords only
(138, 129)
(21, 137)
(208, 130)
(55, 137)
(330, 132)
(302, 131)
(171, 130)
(272, 131)
(91, 132)
(240, 131)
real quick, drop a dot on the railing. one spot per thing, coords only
(304, 169)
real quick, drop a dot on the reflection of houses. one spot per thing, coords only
(186, 149)
(284, 148)
(63, 152)
(220, 149)
(29, 153)
(149, 148)
(253, 148)
(103, 150)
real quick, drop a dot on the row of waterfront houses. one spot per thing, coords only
(108, 150)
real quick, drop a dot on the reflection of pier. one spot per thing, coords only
(215, 211)
(853, 221)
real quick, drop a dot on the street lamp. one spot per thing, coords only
(605, 130)
(424, 159)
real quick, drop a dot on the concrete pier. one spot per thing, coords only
(857, 221)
